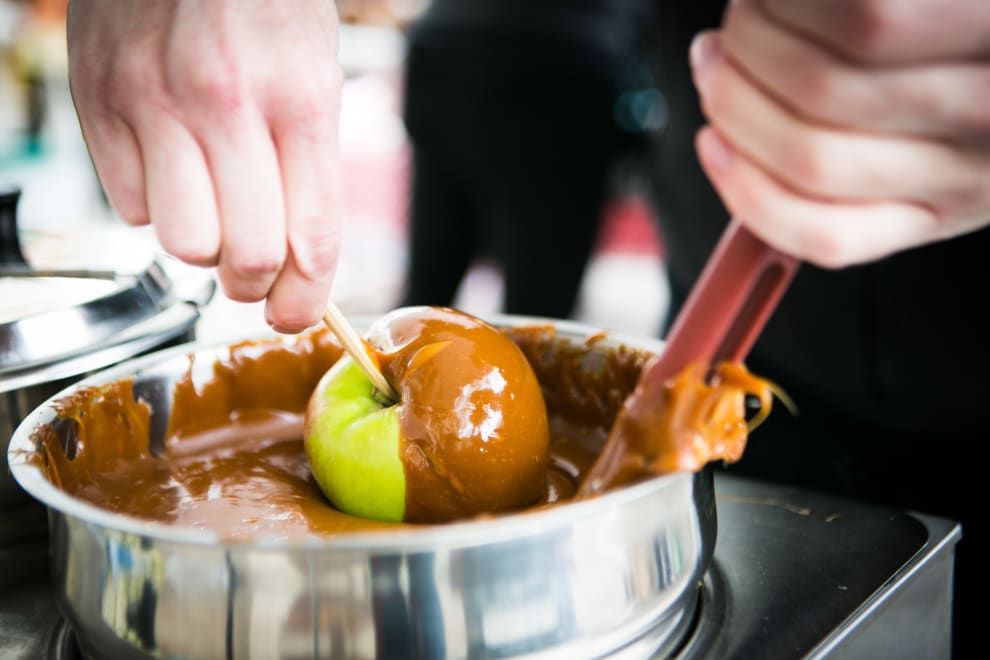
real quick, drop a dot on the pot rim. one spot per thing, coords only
(467, 533)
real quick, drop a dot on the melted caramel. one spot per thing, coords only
(234, 462)
(696, 418)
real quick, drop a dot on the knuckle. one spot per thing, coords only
(749, 201)
(129, 80)
(312, 109)
(316, 251)
(815, 91)
(310, 114)
(718, 100)
(196, 253)
(962, 197)
(255, 264)
(974, 114)
(811, 167)
(924, 104)
(767, 206)
(240, 291)
(210, 85)
(866, 26)
(88, 79)
(240, 287)
(828, 249)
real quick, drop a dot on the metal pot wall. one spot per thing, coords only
(15, 404)
(615, 574)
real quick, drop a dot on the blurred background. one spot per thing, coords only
(65, 222)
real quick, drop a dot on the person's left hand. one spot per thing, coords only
(842, 131)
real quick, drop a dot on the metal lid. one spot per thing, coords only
(65, 314)
(52, 317)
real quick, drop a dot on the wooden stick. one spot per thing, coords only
(355, 347)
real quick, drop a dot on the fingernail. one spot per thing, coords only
(717, 153)
(706, 48)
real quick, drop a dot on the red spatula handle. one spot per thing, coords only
(729, 304)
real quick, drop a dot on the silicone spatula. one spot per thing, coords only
(722, 317)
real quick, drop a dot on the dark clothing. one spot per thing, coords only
(887, 362)
(510, 109)
(589, 37)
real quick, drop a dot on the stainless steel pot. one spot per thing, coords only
(614, 575)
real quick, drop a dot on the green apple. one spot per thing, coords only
(469, 433)
(352, 443)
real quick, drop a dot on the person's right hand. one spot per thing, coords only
(217, 123)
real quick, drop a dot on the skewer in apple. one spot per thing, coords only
(467, 435)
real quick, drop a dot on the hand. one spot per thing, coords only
(217, 123)
(845, 130)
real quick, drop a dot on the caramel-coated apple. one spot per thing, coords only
(468, 436)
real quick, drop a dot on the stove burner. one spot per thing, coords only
(693, 635)
(698, 631)
(710, 616)
(62, 644)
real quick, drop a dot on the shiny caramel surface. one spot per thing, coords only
(234, 461)
(474, 434)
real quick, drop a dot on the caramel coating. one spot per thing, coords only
(475, 436)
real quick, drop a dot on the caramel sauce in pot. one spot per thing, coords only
(234, 461)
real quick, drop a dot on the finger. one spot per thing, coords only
(828, 234)
(245, 173)
(181, 199)
(827, 162)
(928, 100)
(295, 301)
(891, 31)
(118, 162)
(306, 138)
